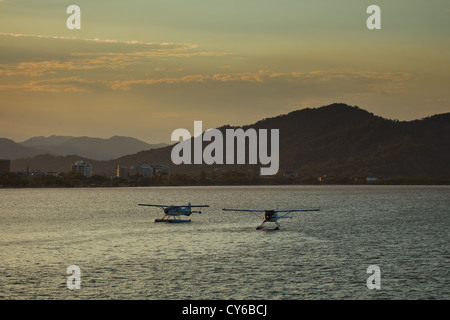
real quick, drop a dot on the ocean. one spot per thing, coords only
(121, 254)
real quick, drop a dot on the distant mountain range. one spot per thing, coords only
(92, 148)
(337, 139)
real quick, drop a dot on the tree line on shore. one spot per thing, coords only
(75, 179)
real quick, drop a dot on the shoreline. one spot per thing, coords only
(227, 185)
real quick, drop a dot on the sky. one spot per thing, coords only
(143, 68)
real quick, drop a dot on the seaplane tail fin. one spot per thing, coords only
(189, 206)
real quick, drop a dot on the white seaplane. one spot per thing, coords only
(173, 213)
(271, 216)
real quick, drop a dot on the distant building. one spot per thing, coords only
(160, 170)
(85, 168)
(145, 170)
(371, 180)
(153, 170)
(290, 174)
(37, 173)
(5, 166)
(122, 172)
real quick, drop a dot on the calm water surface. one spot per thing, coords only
(122, 254)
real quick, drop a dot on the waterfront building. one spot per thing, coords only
(85, 168)
(122, 172)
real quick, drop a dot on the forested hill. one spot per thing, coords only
(337, 139)
(345, 140)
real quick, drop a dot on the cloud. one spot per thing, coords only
(68, 84)
(109, 59)
(123, 51)
(127, 84)
(125, 65)
(196, 78)
(244, 76)
(49, 67)
(98, 40)
(350, 80)
(346, 82)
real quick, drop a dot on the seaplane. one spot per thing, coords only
(271, 216)
(173, 213)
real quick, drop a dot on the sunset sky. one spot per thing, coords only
(143, 68)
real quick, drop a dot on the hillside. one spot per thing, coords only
(339, 139)
(44, 142)
(11, 150)
(98, 148)
(332, 140)
(88, 147)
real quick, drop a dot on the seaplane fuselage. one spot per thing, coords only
(178, 211)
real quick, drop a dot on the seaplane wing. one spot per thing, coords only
(256, 210)
(198, 206)
(244, 210)
(166, 206)
(153, 205)
(297, 210)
